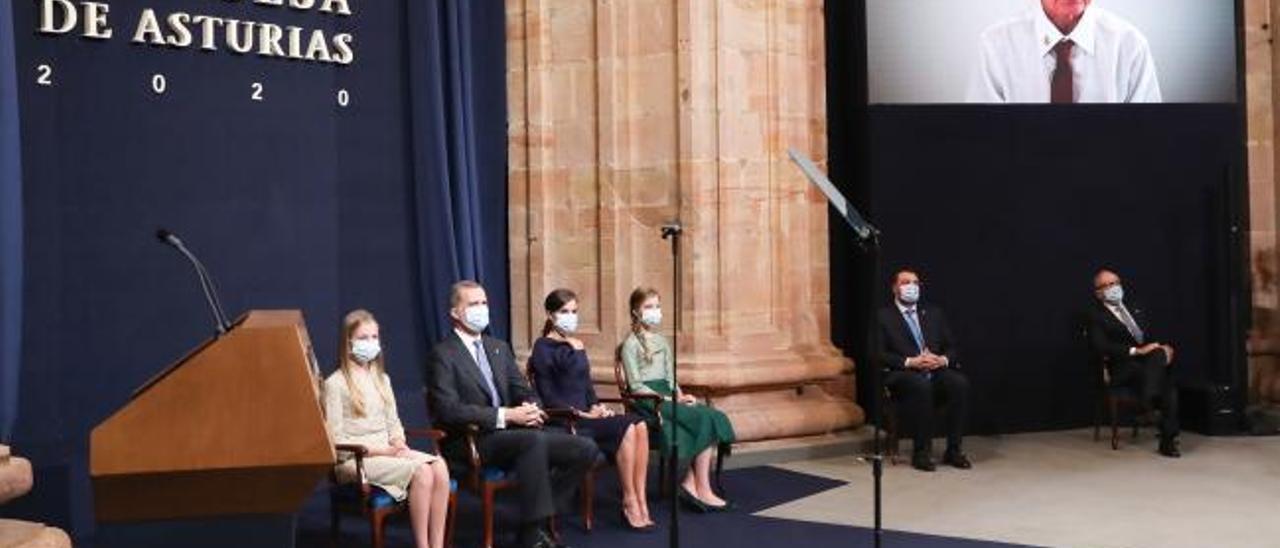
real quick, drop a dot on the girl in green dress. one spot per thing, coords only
(646, 357)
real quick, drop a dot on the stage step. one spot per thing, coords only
(777, 451)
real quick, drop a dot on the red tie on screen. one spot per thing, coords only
(1063, 83)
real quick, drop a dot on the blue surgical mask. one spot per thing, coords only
(476, 317)
(567, 322)
(909, 294)
(651, 317)
(1113, 294)
(365, 350)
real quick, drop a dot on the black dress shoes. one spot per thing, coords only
(923, 462)
(1169, 448)
(542, 539)
(957, 459)
(691, 502)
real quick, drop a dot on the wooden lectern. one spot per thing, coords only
(233, 428)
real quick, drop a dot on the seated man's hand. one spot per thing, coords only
(527, 414)
(1168, 354)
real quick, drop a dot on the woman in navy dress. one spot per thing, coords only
(562, 377)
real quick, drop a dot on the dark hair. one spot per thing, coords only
(555, 300)
(455, 291)
(893, 282)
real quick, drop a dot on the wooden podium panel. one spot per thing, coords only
(235, 427)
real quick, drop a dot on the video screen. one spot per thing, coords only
(1051, 51)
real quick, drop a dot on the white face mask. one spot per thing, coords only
(365, 350)
(476, 317)
(909, 294)
(651, 317)
(567, 322)
(1113, 294)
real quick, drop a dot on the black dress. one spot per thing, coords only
(562, 376)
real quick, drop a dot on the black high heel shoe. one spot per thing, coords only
(692, 502)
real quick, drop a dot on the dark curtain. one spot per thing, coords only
(458, 118)
(10, 228)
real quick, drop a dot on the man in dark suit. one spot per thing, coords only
(1120, 336)
(473, 380)
(918, 353)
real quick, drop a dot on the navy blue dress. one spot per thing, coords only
(562, 376)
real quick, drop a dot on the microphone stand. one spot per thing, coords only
(673, 231)
(868, 240)
(206, 282)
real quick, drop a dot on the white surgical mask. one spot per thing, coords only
(909, 294)
(365, 350)
(476, 317)
(1113, 294)
(567, 322)
(651, 317)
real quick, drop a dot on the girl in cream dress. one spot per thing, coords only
(360, 408)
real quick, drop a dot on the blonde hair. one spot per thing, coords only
(377, 367)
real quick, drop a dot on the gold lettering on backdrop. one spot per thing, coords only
(183, 29)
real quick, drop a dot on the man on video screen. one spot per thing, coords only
(1065, 51)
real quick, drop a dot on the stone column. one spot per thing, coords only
(1261, 64)
(629, 113)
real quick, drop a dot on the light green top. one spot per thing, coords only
(648, 362)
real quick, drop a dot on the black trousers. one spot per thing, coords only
(549, 466)
(1150, 377)
(914, 395)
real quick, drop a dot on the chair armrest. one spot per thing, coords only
(566, 414)
(473, 455)
(360, 452)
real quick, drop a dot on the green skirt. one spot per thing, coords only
(699, 426)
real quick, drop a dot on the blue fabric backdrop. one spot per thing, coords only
(10, 228)
(459, 188)
(294, 202)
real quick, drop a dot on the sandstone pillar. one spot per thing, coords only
(628, 113)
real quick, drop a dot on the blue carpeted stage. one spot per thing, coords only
(752, 489)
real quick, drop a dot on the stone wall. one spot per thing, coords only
(1261, 63)
(626, 114)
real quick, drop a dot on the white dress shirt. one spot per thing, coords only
(1111, 61)
(902, 309)
(469, 341)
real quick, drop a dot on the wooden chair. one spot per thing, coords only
(889, 416)
(371, 501)
(569, 418)
(1113, 400)
(631, 402)
(479, 478)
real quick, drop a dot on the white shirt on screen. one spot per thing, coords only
(1111, 61)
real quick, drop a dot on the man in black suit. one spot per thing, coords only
(473, 380)
(1120, 336)
(918, 353)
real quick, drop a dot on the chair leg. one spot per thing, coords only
(487, 510)
(1097, 419)
(588, 498)
(721, 452)
(333, 521)
(376, 519)
(662, 475)
(449, 521)
(1115, 427)
(891, 439)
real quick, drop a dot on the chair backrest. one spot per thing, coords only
(620, 373)
(1097, 360)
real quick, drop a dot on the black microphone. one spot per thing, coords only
(206, 282)
(673, 228)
